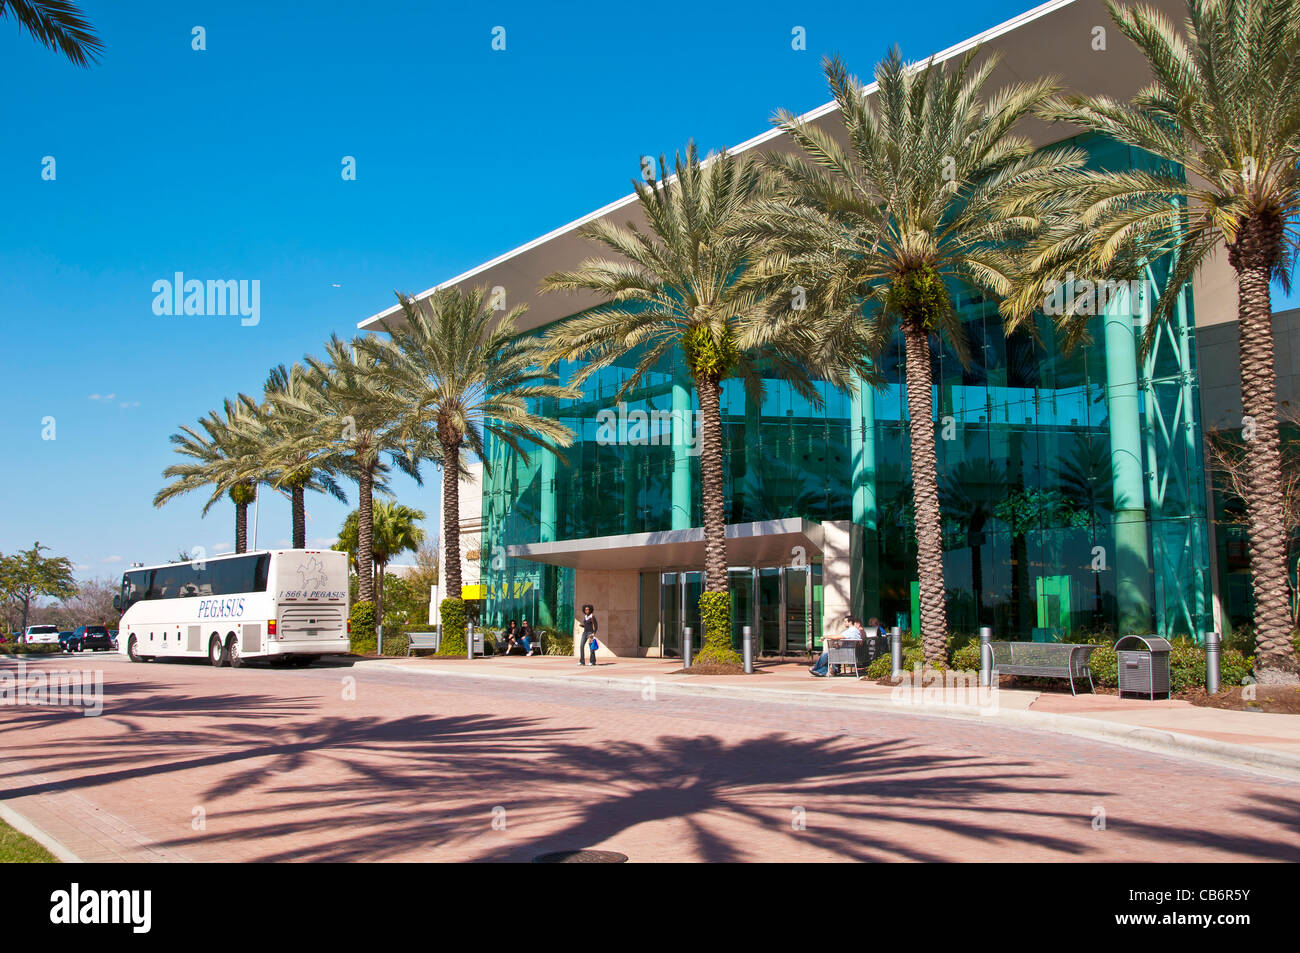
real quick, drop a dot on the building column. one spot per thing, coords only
(865, 595)
(681, 484)
(1131, 558)
(546, 531)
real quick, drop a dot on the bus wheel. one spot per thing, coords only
(232, 652)
(133, 651)
(216, 653)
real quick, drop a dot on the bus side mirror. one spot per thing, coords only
(117, 602)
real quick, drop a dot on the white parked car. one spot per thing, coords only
(41, 635)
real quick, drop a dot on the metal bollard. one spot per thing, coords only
(986, 656)
(896, 650)
(686, 647)
(379, 634)
(748, 642)
(469, 642)
(1213, 654)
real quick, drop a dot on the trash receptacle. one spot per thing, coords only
(1143, 663)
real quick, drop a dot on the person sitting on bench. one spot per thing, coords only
(851, 633)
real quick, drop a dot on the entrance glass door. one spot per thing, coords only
(670, 614)
(769, 609)
(679, 606)
(798, 598)
(741, 584)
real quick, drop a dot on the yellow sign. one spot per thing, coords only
(473, 592)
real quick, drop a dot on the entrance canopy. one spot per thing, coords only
(770, 542)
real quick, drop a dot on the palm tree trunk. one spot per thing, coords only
(299, 516)
(365, 535)
(1252, 255)
(241, 527)
(451, 518)
(925, 494)
(714, 503)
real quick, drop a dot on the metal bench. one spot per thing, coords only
(1043, 660)
(844, 653)
(422, 641)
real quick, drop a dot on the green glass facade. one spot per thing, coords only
(1071, 484)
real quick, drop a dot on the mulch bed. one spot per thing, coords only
(714, 669)
(1274, 699)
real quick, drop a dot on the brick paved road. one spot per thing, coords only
(193, 763)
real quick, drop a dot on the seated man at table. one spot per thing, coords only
(851, 633)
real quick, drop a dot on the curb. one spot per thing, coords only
(1279, 764)
(22, 825)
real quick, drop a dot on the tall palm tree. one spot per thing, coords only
(459, 370)
(56, 25)
(293, 445)
(1222, 114)
(224, 457)
(356, 410)
(917, 202)
(676, 287)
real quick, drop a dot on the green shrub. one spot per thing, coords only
(1104, 665)
(1242, 638)
(1234, 667)
(715, 615)
(22, 648)
(453, 627)
(554, 643)
(395, 640)
(967, 657)
(362, 636)
(879, 667)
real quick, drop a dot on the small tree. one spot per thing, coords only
(27, 575)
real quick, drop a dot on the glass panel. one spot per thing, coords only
(670, 613)
(741, 584)
(649, 621)
(693, 585)
(769, 609)
(796, 609)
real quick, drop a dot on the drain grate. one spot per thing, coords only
(581, 857)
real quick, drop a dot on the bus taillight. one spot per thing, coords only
(270, 627)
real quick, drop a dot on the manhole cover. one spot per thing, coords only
(581, 857)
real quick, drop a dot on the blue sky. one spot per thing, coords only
(225, 164)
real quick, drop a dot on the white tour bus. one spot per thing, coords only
(286, 605)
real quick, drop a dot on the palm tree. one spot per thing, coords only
(293, 445)
(459, 370)
(675, 288)
(225, 457)
(1222, 118)
(354, 408)
(56, 24)
(916, 202)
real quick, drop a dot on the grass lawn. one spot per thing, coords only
(16, 848)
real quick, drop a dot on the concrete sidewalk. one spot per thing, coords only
(1269, 743)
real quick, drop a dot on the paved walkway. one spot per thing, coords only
(363, 762)
(1251, 730)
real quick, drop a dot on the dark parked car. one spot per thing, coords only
(93, 637)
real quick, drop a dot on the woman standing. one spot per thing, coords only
(588, 634)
